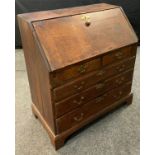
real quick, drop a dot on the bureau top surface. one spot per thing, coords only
(72, 38)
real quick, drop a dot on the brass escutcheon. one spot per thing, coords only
(86, 18)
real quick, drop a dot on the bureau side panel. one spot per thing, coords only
(38, 74)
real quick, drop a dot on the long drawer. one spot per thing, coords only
(84, 82)
(87, 110)
(79, 99)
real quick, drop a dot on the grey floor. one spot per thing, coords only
(115, 134)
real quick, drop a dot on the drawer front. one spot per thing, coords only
(83, 83)
(87, 110)
(91, 93)
(119, 55)
(62, 76)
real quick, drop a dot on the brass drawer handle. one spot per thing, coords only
(100, 86)
(80, 87)
(120, 81)
(120, 68)
(100, 73)
(81, 100)
(79, 118)
(99, 99)
(119, 55)
(82, 69)
(118, 95)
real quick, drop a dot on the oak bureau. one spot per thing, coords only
(80, 64)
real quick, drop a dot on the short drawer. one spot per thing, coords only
(121, 54)
(86, 81)
(87, 110)
(74, 101)
(60, 77)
